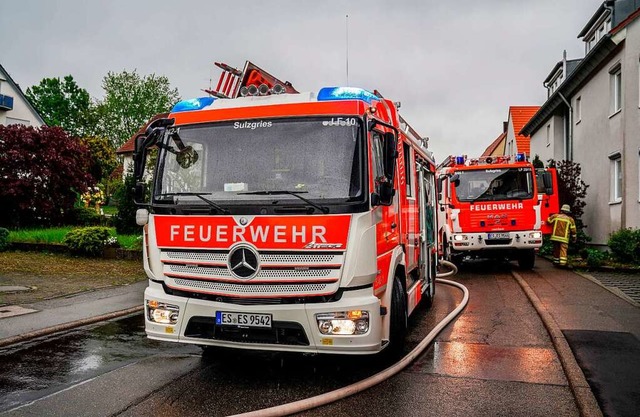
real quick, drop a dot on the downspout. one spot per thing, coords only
(569, 150)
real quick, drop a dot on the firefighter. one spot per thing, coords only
(564, 228)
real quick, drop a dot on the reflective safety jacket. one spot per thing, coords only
(563, 227)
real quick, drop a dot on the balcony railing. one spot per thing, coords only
(6, 102)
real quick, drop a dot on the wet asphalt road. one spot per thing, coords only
(496, 359)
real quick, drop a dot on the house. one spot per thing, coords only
(497, 147)
(127, 149)
(14, 106)
(592, 117)
(515, 141)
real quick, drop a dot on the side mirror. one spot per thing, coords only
(386, 193)
(139, 192)
(547, 180)
(152, 135)
(390, 155)
(455, 179)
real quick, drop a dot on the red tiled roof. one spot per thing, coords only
(519, 116)
(497, 146)
(130, 145)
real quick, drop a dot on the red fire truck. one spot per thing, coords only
(494, 207)
(286, 221)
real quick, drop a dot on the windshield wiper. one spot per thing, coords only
(323, 209)
(206, 200)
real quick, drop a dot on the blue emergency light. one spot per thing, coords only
(346, 93)
(192, 104)
(459, 160)
(520, 157)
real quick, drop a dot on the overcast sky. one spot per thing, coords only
(456, 66)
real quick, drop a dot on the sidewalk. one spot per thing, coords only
(73, 311)
(602, 329)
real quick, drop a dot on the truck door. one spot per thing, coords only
(410, 210)
(547, 187)
(427, 205)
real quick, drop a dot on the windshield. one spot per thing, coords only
(234, 161)
(494, 184)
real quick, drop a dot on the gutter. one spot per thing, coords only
(568, 151)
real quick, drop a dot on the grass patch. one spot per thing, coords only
(110, 210)
(57, 234)
(49, 235)
(130, 241)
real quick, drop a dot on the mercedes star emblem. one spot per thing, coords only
(243, 262)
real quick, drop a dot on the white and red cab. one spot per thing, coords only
(494, 207)
(286, 221)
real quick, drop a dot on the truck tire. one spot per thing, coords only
(399, 318)
(526, 258)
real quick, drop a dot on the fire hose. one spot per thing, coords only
(357, 387)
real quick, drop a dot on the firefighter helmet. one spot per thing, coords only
(565, 208)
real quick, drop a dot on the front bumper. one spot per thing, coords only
(527, 239)
(294, 325)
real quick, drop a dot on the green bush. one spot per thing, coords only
(84, 216)
(4, 239)
(625, 245)
(595, 258)
(125, 218)
(88, 241)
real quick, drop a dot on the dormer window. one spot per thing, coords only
(597, 32)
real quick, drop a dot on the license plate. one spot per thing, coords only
(498, 236)
(224, 318)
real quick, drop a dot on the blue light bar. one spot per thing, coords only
(520, 157)
(192, 104)
(459, 160)
(346, 93)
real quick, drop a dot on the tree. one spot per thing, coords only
(41, 173)
(572, 191)
(103, 157)
(125, 219)
(130, 101)
(62, 103)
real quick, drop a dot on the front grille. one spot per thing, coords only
(261, 289)
(280, 274)
(256, 300)
(282, 332)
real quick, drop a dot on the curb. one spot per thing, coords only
(586, 401)
(67, 326)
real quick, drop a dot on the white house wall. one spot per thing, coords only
(600, 134)
(555, 148)
(21, 112)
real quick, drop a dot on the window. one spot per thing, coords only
(616, 90)
(548, 134)
(616, 177)
(578, 110)
(407, 169)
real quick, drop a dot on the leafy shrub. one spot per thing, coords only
(547, 247)
(89, 241)
(83, 216)
(625, 245)
(595, 258)
(125, 219)
(4, 239)
(41, 171)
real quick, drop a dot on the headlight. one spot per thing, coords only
(535, 235)
(343, 322)
(460, 237)
(162, 313)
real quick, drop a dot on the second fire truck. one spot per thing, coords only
(286, 221)
(494, 207)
